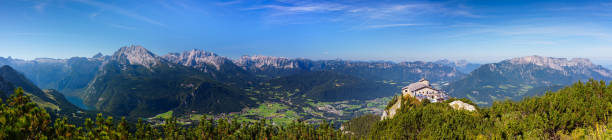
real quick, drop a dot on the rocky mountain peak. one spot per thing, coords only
(135, 55)
(554, 63)
(6, 68)
(197, 58)
(49, 60)
(261, 62)
(457, 63)
(98, 55)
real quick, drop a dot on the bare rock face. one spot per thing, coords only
(576, 67)
(376, 70)
(573, 66)
(554, 63)
(388, 114)
(262, 62)
(135, 55)
(197, 59)
(459, 105)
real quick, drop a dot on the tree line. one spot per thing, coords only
(20, 118)
(579, 111)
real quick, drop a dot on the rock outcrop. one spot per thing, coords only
(460, 105)
(198, 59)
(135, 55)
(389, 113)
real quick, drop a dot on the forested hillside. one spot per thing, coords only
(579, 111)
(20, 118)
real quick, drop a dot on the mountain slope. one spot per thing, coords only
(70, 76)
(211, 97)
(519, 77)
(332, 86)
(275, 67)
(19, 80)
(461, 65)
(5, 88)
(48, 99)
(218, 67)
(136, 82)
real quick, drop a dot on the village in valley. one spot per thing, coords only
(283, 110)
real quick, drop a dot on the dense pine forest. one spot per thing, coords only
(579, 111)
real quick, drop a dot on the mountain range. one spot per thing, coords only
(135, 82)
(461, 65)
(525, 76)
(138, 83)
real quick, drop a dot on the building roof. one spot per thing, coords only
(418, 85)
(415, 86)
(423, 79)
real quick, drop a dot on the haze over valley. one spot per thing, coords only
(305, 69)
(136, 82)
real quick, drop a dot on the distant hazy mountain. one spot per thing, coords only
(17, 79)
(271, 67)
(461, 65)
(136, 82)
(69, 76)
(332, 86)
(53, 101)
(608, 66)
(524, 76)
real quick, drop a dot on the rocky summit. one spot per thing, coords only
(135, 55)
(197, 59)
(553, 63)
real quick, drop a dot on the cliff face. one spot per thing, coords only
(389, 113)
(135, 55)
(198, 59)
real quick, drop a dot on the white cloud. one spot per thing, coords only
(390, 25)
(40, 7)
(301, 9)
(567, 31)
(119, 11)
(229, 2)
(121, 26)
(359, 13)
(95, 14)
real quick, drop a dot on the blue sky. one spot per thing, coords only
(478, 31)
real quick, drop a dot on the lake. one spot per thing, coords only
(78, 102)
